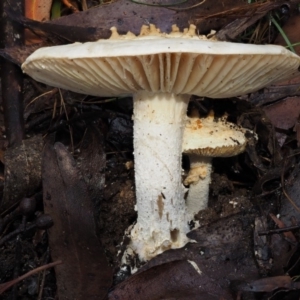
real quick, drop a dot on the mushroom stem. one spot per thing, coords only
(199, 180)
(159, 121)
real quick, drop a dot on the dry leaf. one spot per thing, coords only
(85, 273)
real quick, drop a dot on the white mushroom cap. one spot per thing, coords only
(180, 63)
(213, 137)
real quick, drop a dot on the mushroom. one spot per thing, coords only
(160, 71)
(203, 139)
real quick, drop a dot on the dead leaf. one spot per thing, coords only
(284, 114)
(275, 92)
(223, 251)
(55, 32)
(85, 273)
(292, 187)
(269, 284)
(178, 280)
(38, 10)
(95, 23)
(130, 16)
(292, 31)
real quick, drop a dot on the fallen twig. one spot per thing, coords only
(7, 285)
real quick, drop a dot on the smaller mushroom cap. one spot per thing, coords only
(213, 137)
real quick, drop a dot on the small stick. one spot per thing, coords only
(7, 285)
(278, 230)
(70, 6)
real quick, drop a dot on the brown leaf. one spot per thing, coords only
(284, 114)
(69, 33)
(223, 251)
(127, 16)
(175, 280)
(269, 284)
(292, 31)
(292, 188)
(285, 253)
(38, 10)
(275, 92)
(85, 273)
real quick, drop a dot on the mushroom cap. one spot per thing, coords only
(180, 63)
(213, 137)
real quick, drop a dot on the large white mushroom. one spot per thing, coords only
(160, 71)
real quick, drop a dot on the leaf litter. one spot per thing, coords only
(90, 194)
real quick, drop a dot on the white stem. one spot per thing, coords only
(159, 121)
(199, 180)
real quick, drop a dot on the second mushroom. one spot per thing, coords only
(203, 139)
